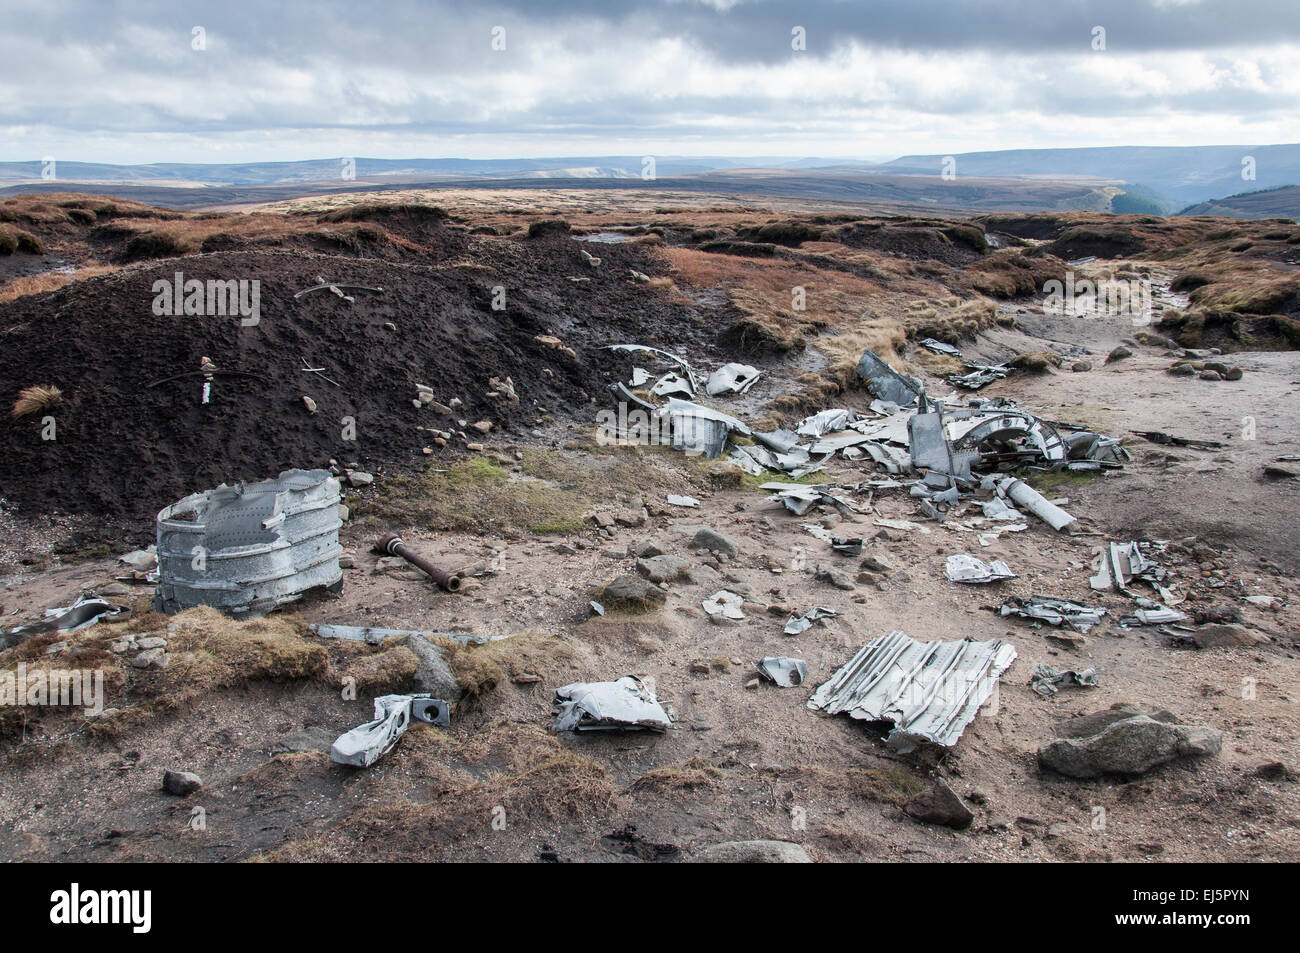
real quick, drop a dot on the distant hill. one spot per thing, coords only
(1282, 202)
(1182, 175)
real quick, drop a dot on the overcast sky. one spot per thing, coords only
(123, 82)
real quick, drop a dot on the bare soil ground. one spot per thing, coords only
(253, 711)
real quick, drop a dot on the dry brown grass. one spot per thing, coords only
(479, 669)
(36, 400)
(696, 773)
(515, 771)
(50, 280)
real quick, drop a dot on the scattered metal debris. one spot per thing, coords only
(964, 568)
(1054, 611)
(393, 546)
(1047, 681)
(939, 347)
(336, 289)
(1025, 495)
(374, 636)
(248, 548)
(847, 547)
(700, 430)
(979, 375)
(1122, 563)
(726, 604)
(364, 745)
(786, 672)
(1156, 436)
(803, 622)
(930, 691)
(731, 379)
(886, 383)
(84, 612)
(627, 704)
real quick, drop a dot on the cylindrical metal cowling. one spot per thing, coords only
(248, 548)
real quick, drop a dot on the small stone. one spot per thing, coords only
(1234, 374)
(360, 478)
(54, 648)
(475, 447)
(1118, 354)
(1081, 366)
(483, 426)
(114, 591)
(630, 518)
(752, 685)
(344, 512)
(347, 561)
(939, 805)
(836, 578)
(1183, 370)
(151, 658)
(181, 783)
(700, 668)
(1070, 640)
(152, 642)
(878, 562)
(309, 404)
(663, 568)
(526, 678)
(1211, 376)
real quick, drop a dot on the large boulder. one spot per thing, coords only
(629, 593)
(1124, 740)
(714, 542)
(663, 568)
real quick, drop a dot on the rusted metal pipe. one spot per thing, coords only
(393, 545)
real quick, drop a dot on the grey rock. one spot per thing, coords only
(836, 578)
(704, 575)
(151, 642)
(1118, 354)
(181, 783)
(1080, 367)
(151, 658)
(753, 852)
(663, 568)
(629, 593)
(878, 562)
(1183, 370)
(1132, 745)
(714, 542)
(1223, 636)
(434, 673)
(360, 478)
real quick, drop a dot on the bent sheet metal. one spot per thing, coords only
(624, 705)
(930, 691)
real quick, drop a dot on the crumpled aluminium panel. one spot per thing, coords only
(364, 745)
(627, 704)
(783, 671)
(930, 691)
(1054, 611)
(886, 383)
(251, 547)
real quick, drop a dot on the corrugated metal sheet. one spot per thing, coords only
(930, 690)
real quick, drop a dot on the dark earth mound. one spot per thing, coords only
(124, 449)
